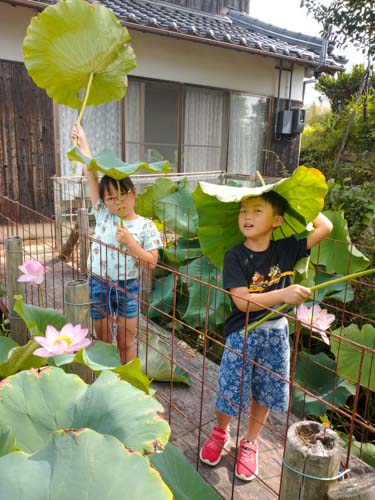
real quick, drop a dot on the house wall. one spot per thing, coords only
(167, 58)
(13, 25)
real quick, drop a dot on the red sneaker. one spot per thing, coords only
(213, 448)
(247, 460)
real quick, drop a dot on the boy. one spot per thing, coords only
(258, 273)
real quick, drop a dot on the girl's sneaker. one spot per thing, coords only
(213, 448)
(247, 460)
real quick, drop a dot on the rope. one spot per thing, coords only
(297, 471)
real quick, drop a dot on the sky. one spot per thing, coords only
(288, 14)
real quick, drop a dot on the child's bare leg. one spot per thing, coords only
(102, 330)
(126, 339)
(257, 420)
(223, 420)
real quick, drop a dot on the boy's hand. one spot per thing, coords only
(295, 294)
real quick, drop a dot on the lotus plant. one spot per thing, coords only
(67, 341)
(316, 319)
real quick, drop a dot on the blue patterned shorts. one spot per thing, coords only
(109, 298)
(241, 379)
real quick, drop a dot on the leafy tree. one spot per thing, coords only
(346, 21)
(340, 90)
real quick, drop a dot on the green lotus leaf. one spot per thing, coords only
(349, 355)
(108, 164)
(204, 300)
(218, 208)
(21, 358)
(6, 345)
(338, 254)
(178, 212)
(71, 40)
(80, 464)
(37, 318)
(181, 477)
(317, 374)
(7, 440)
(155, 359)
(162, 296)
(35, 403)
(146, 201)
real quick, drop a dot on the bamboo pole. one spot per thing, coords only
(76, 309)
(14, 258)
(311, 463)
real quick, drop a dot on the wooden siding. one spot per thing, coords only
(281, 151)
(27, 151)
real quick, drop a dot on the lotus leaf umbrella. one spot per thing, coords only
(218, 208)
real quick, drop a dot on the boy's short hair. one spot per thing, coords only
(277, 202)
(126, 185)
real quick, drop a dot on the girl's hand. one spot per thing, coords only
(295, 294)
(123, 235)
(78, 133)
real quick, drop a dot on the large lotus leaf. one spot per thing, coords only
(316, 374)
(337, 252)
(37, 318)
(71, 40)
(162, 295)
(108, 164)
(156, 363)
(80, 464)
(203, 298)
(349, 355)
(218, 208)
(35, 403)
(181, 477)
(146, 201)
(21, 358)
(178, 212)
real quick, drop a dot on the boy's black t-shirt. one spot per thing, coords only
(260, 272)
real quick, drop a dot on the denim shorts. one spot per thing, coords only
(117, 297)
(241, 379)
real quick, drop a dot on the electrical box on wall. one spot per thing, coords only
(284, 122)
(299, 120)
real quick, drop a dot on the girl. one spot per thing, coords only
(114, 271)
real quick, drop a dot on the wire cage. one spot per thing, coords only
(181, 314)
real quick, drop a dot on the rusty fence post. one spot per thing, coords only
(83, 231)
(14, 258)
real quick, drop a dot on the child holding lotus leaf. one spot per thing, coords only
(258, 273)
(114, 282)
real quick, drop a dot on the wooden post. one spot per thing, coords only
(356, 488)
(14, 258)
(312, 452)
(83, 231)
(58, 213)
(76, 310)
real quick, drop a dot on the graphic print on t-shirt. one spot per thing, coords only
(259, 283)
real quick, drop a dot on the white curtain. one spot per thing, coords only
(246, 134)
(203, 126)
(133, 150)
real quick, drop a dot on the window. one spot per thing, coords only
(248, 119)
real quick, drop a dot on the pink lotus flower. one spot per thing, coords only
(69, 340)
(316, 319)
(34, 272)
